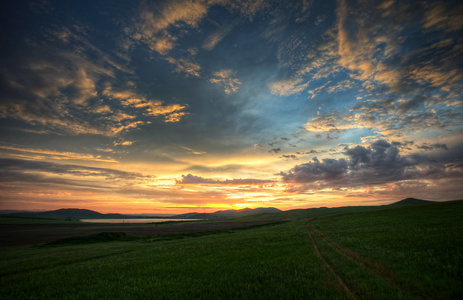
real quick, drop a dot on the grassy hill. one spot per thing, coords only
(410, 201)
(393, 252)
(295, 214)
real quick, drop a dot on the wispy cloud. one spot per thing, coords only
(215, 38)
(193, 151)
(444, 17)
(186, 66)
(225, 78)
(28, 166)
(288, 87)
(157, 20)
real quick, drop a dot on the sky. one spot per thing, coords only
(176, 106)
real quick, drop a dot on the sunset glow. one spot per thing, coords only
(168, 107)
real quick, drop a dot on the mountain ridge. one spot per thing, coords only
(80, 213)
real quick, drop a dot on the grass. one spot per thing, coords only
(256, 263)
(395, 253)
(418, 248)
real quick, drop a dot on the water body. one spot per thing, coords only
(133, 220)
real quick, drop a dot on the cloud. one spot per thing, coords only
(185, 66)
(192, 179)
(162, 25)
(380, 163)
(171, 113)
(215, 38)
(330, 123)
(156, 108)
(225, 78)
(367, 46)
(386, 117)
(218, 169)
(123, 143)
(128, 126)
(27, 166)
(157, 21)
(245, 7)
(288, 87)
(290, 156)
(326, 170)
(58, 155)
(274, 150)
(427, 146)
(194, 152)
(64, 76)
(441, 16)
(174, 117)
(58, 82)
(102, 110)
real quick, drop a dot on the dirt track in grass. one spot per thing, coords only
(32, 234)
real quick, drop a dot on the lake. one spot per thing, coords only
(133, 220)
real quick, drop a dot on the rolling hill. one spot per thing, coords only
(410, 201)
(228, 213)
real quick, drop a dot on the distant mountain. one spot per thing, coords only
(68, 213)
(221, 214)
(75, 213)
(409, 201)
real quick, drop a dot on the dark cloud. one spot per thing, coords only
(193, 179)
(274, 150)
(379, 163)
(312, 151)
(411, 104)
(326, 170)
(426, 146)
(289, 156)
(404, 144)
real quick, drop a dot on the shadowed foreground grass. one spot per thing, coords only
(400, 253)
(261, 262)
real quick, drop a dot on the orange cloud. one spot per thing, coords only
(224, 77)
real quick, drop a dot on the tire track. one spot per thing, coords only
(373, 267)
(341, 284)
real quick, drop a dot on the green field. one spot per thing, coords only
(413, 252)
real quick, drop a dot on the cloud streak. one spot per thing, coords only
(26, 166)
(193, 179)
